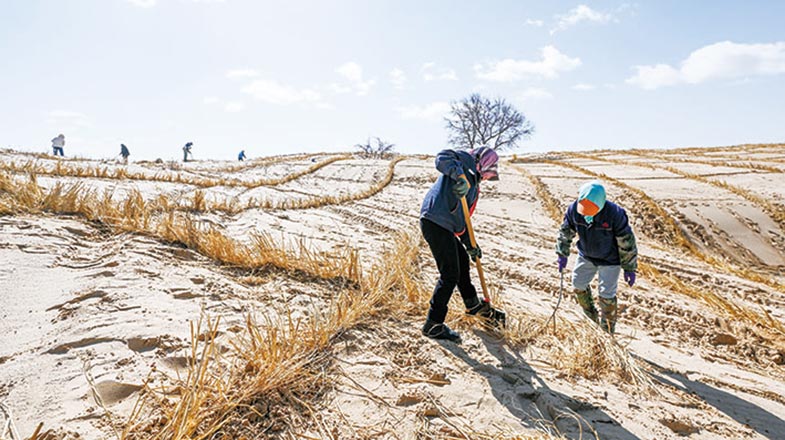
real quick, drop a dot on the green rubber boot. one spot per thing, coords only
(608, 306)
(587, 303)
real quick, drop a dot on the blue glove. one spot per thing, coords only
(461, 187)
(629, 277)
(562, 262)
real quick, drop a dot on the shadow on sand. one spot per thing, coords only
(526, 396)
(740, 410)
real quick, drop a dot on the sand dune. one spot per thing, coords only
(96, 314)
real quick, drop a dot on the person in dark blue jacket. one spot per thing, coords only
(187, 151)
(444, 228)
(606, 246)
(241, 156)
(124, 153)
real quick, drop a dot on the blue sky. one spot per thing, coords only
(295, 76)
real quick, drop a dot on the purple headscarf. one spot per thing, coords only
(487, 162)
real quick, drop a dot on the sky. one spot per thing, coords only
(275, 77)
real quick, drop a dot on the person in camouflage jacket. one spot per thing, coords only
(606, 246)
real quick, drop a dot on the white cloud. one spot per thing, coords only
(275, 93)
(242, 73)
(362, 88)
(211, 100)
(584, 87)
(68, 118)
(234, 107)
(431, 112)
(151, 3)
(432, 72)
(353, 73)
(535, 23)
(552, 63)
(143, 3)
(398, 78)
(723, 60)
(340, 89)
(579, 14)
(536, 93)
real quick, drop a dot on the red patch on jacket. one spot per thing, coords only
(605, 225)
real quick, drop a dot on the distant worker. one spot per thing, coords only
(57, 145)
(241, 156)
(125, 153)
(606, 245)
(187, 151)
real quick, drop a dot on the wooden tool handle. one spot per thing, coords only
(473, 242)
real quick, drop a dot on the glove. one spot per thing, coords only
(629, 277)
(562, 262)
(461, 187)
(474, 252)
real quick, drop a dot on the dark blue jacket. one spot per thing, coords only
(600, 241)
(440, 205)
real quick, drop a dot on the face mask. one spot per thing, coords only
(491, 173)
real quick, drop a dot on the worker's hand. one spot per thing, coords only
(461, 187)
(629, 277)
(562, 262)
(474, 252)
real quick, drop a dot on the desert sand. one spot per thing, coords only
(95, 317)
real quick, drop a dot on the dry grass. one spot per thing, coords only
(739, 162)
(776, 211)
(136, 215)
(275, 373)
(552, 206)
(63, 169)
(259, 163)
(744, 148)
(275, 370)
(231, 205)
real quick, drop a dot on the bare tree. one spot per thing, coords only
(477, 121)
(381, 150)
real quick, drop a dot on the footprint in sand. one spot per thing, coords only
(111, 392)
(140, 345)
(105, 273)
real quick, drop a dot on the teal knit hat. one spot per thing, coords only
(591, 199)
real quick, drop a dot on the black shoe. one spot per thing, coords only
(484, 310)
(435, 330)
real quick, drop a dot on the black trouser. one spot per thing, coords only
(453, 263)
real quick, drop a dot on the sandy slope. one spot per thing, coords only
(80, 302)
